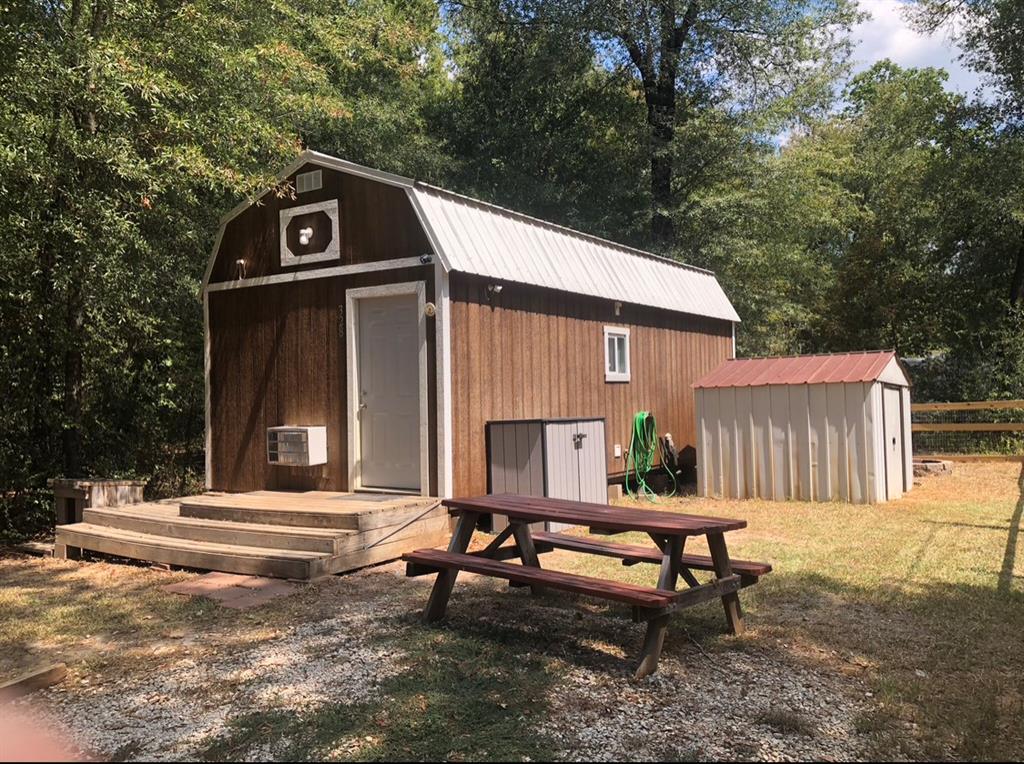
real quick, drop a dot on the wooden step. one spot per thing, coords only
(229, 558)
(631, 594)
(164, 520)
(346, 513)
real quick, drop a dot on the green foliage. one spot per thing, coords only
(126, 130)
(534, 124)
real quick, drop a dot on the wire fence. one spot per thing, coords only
(983, 428)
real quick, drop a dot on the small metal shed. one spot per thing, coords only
(813, 428)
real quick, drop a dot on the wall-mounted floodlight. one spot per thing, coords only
(305, 235)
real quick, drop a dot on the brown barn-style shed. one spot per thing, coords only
(362, 330)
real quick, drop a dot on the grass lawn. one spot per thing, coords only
(905, 621)
(926, 594)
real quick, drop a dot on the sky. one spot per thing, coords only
(887, 35)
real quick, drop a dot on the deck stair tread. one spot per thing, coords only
(298, 509)
(187, 544)
(169, 513)
(300, 502)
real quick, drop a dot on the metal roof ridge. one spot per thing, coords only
(810, 355)
(625, 248)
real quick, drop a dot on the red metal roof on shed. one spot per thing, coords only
(799, 370)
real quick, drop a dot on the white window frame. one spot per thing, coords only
(616, 375)
(333, 251)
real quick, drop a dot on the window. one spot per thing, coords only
(616, 354)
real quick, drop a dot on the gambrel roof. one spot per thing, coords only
(482, 239)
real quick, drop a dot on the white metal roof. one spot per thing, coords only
(483, 239)
(487, 240)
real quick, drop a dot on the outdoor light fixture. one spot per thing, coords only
(495, 288)
(305, 235)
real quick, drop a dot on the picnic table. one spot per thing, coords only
(653, 605)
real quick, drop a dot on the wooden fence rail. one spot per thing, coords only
(967, 406)
(967, 426)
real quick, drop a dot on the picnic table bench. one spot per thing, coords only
(653, 605)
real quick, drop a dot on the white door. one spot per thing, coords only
(893, 433)
(388, 392)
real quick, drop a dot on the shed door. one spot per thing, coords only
(576, 466)
(893, 445)
(389, 395)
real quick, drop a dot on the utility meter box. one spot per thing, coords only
(291, 446)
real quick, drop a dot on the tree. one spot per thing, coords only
(533, 123)
(991, 33)
(763, 58)
(126, 130)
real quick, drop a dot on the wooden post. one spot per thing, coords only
(723, 568)
(527, 551)
(670, 563)
(654, 639)
(437, 605)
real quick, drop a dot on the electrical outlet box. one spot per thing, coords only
(291, 446)
(618, 450)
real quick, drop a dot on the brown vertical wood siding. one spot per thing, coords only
(532, 352)
(376, 222)
(277, 357)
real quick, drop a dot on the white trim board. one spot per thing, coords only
(352, 298)
(319, 273)
(443, 353)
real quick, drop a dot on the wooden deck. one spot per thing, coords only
(296, 535)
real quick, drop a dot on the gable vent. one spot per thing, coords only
(309, 181)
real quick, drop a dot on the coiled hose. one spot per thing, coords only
(643, 445)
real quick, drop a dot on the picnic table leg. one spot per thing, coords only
(723, 568)
(437, 605)
(527, 551)
(654, 639)
(686, 573)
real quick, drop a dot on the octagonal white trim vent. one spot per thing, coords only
(333, 248)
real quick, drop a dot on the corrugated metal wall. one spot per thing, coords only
(818, 442)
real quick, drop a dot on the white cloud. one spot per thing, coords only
(887, 34)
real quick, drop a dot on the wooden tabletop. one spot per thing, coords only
(600, 516)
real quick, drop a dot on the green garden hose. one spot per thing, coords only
(643, 445)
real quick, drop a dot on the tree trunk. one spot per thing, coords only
(73, 366)
(658, 77)
(71, 438)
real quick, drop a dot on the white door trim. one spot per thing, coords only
(443, 345)
(352, 298)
